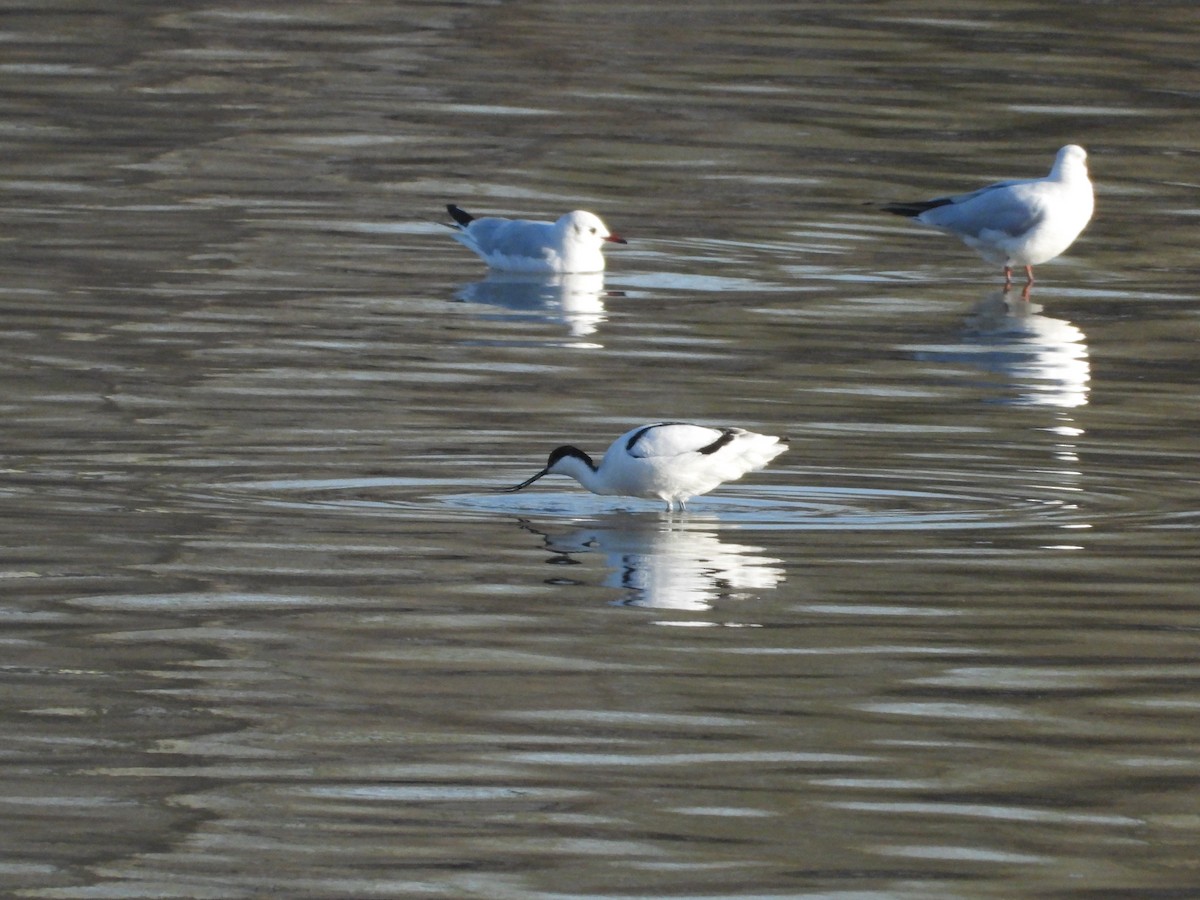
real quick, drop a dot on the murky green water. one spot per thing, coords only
(266, 628)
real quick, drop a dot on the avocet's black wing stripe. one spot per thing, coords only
(641, 432)
(725, 438)
(674, 438)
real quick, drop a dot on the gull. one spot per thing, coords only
(1016, 223)
(571, 244)
(670, 461)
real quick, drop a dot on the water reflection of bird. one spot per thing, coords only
(668, 565)
(1046, 357)
(571, 244)
(672, 461)
(1016, 223)
(577, 299)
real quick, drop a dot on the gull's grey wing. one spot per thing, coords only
(1010, 207)
(512, 237)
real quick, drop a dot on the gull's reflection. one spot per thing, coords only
(1045, 360)
(576, 300)
(668, 564)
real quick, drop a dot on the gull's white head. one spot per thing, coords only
(1071, 159)
(586, 228)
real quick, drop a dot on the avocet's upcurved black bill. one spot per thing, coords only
(524, 484)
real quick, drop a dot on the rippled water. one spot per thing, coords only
(268, 628)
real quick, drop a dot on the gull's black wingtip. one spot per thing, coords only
(912, 210)
(460, 216)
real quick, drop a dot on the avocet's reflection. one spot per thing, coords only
(668, 564)
(576, 300)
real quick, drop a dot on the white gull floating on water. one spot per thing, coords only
(1016, 223)
(572, 244)
(670, 461)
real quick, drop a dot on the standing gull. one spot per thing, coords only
(1016, 223)
(672, 461)
(572, 244)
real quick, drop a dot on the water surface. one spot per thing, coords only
(268, 628)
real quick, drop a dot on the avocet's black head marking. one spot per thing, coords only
(462, 217)
(567, 450)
